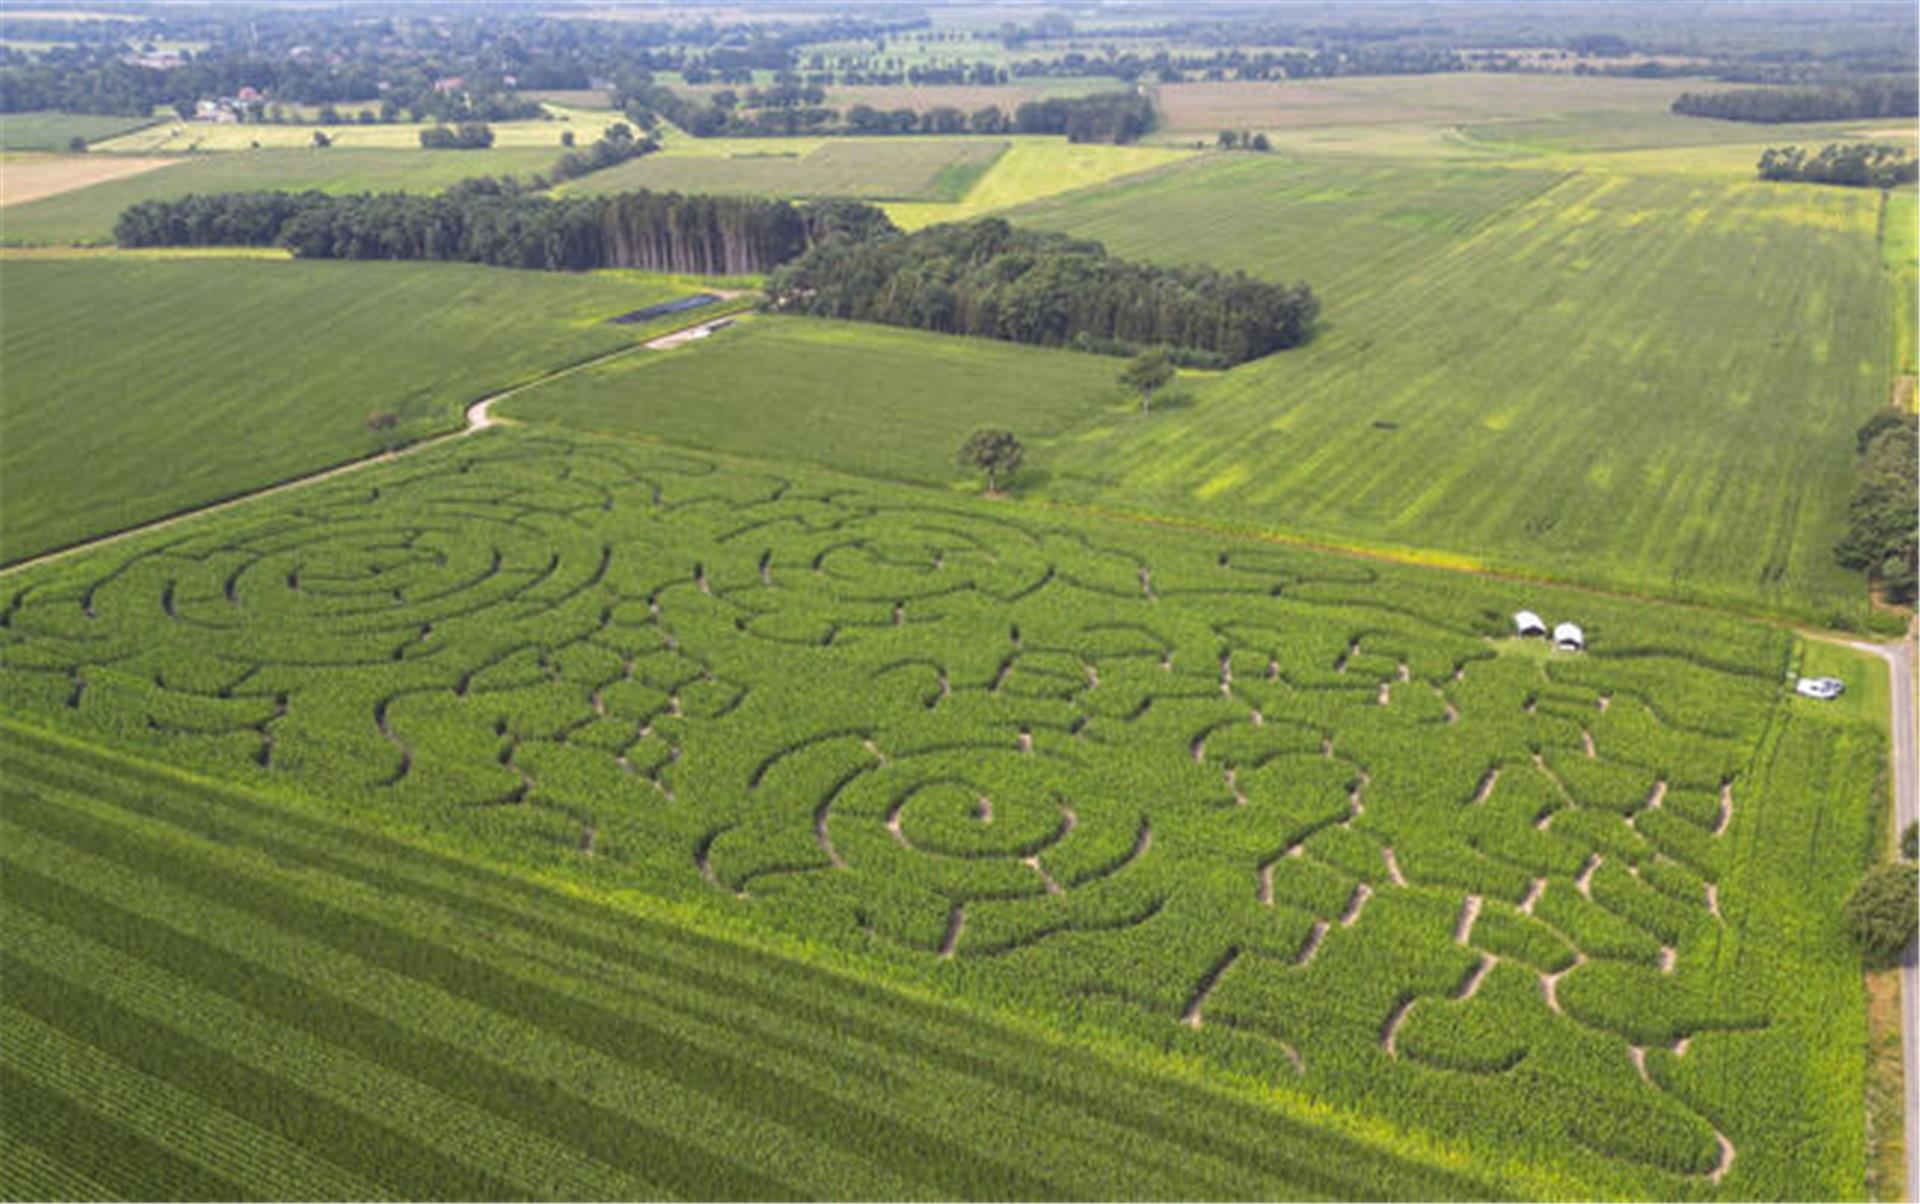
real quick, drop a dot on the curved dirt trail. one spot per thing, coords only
(478, 416)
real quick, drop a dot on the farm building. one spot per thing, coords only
(1527, 624)
(1569, 638)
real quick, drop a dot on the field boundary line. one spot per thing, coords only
(477, 415)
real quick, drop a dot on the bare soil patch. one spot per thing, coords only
(31, 177)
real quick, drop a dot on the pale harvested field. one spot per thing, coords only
(29, 178)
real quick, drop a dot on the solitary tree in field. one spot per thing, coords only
(384, 423)
(1884, 913)
(320, 139)
(77, 144)
(992, 451)
(1146, 372)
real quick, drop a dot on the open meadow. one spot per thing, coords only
(1317, 827)
(203, 378)
(50, 131)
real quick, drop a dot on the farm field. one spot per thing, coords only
(1309, 825)
(183, 136)
(211, 995)
(1034, 168)
(87, 215)
(31, 177)
(880, 169)
(206, 377)
(49, 131)
(1551, 373)
(1204, 108)
(1900, 252)
(966, 97)
(861, 398)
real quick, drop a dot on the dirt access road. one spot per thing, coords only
(479, 416)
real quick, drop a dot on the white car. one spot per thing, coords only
(1819, 687)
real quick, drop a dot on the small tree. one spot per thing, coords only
(1910, 842)
(77, 145)
(384, 423)
(320, 140)
(1229, 139)
(992, 451)
(1884, 913)
(566, 137)
(1259, 142)
(1147, 372)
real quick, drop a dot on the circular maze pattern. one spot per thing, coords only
(1324, 813)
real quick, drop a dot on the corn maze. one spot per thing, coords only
(1319, 820)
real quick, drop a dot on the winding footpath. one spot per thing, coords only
(478, 415)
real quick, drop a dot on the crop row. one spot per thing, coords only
(1324, 820)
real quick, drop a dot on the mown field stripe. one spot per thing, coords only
(617, 1091)
(919, 1156)
(261, 1163)
(866, 1065)
(122, 1161)
(1164, 1112)
(531, 1166)
(362, 1145)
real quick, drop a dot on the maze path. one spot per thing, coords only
(1054, 753)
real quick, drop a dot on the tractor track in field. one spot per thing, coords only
(478, 416)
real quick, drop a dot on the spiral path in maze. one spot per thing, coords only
(1326, 813)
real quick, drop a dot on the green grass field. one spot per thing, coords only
(1640, 381)
(1311, 827)
(173, 136)
(53, 131)
(87, 215)
(930, 169)
(138, 387)
(869, 399)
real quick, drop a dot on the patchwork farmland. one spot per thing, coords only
(483, 717)
(1318, 821)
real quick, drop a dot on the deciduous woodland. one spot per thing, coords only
(1877, 98)
(990, 279)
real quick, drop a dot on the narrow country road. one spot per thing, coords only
(479, 416)
(1906, 808)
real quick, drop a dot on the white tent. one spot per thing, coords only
(1526, 623)
(1569, 638)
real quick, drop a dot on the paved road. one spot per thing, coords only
(1906, 808)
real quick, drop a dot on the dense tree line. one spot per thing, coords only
(789, 109)
(1883, 534)
(1857, 165)
(617, 145)
(1877, 98)
(988, 279)
(497, 222)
